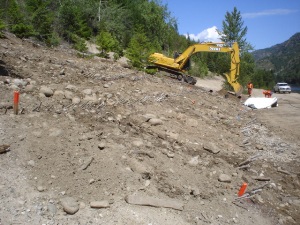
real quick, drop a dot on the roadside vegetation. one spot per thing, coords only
(131, 28)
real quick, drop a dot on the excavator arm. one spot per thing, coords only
(177, 65)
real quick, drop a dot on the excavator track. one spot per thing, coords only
(176, 74)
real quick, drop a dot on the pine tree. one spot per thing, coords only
(139, 49)
(15, 19)
(107, 43)
(233, 30)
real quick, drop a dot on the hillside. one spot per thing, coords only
(282, 58)
(96, 142)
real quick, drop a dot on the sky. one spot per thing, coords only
(269, 22)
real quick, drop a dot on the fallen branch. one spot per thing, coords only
(244, 167)
(87, 163)
(255, 190)
(261, 178)
(4, 148)
(68, 106)
(139, 199)
(283, 171)
(150, 155)
(239, 205)
(37, 109)
(249, 160)
(205, 219)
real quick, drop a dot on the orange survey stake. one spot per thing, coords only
(16, 102)
(242, 189)
(16, 97)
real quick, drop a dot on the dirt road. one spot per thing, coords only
(283, 120)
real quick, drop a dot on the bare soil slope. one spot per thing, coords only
(97, 143)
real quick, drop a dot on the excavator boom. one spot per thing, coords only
(177, 65)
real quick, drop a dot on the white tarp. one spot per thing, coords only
(261, 103)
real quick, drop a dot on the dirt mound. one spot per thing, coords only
(97, 143)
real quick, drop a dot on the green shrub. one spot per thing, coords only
(23, 31)
(2, 27)
(53, 39)
(151, 71)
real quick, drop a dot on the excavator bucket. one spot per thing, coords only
(238, 89)
(190, 80)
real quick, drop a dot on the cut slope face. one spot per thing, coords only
(106, 134)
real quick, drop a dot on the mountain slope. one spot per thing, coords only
(282, 58)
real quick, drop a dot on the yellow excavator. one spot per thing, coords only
(177, 66)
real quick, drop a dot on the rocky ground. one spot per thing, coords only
(96, 142)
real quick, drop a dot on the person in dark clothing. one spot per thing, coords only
(176, 54)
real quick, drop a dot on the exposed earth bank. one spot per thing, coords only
(96, 142)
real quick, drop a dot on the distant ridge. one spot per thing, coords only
(283, 59)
